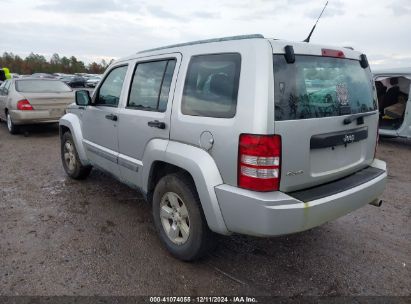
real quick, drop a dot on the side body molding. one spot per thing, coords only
(202, 168)
(72, 122)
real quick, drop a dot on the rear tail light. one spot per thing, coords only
(259, 162)
(24, 105)
(332, 53)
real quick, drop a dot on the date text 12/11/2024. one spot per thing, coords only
(203, 299)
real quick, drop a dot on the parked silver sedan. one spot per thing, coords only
(33, 101)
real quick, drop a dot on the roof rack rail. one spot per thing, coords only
(240, 37)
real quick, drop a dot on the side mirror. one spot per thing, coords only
(83, 98)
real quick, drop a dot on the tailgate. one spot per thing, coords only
(316, 153)
(325, 112)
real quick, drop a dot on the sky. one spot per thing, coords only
(93, 30)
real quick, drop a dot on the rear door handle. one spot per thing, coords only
(157, 124)
(112, 117)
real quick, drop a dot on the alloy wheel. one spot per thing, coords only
(174, 218)
(69, 156)
(9, 123)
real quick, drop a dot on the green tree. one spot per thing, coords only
(65, 65)
(95, 68)
(36, 63)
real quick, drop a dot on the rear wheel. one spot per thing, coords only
(179, 218)
(70, 159)
(13, 129)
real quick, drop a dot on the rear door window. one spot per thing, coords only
(150, 86)
(211, 86)
(315, 87)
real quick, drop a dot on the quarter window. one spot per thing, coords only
(4, 88)
(211, 86)
(150, 87)
(110, 90)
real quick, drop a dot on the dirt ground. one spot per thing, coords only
(96, 237)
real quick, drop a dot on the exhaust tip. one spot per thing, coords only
(377, 202)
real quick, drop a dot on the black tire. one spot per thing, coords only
(13, 129)
(71, 161)
(200, 238)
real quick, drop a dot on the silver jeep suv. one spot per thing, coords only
(235, 135)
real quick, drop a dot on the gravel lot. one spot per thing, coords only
(96, 237)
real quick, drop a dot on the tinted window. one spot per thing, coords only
(315, 87)
(151, 85)
(2, 87)
(41, 86)
(110, 90)
(211, 86)
(5, 87)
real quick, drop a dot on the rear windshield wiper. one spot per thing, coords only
(353, 117)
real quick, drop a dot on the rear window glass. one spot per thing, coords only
(211, 86)
(41, 86)
(315, 87)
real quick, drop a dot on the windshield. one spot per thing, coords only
(315, 87)
(41, 86)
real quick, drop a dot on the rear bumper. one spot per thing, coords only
(34, 117)
(277, 213)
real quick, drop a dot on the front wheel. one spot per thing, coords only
(71, 162)
(179, 218)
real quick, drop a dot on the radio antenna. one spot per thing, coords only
(312, 30)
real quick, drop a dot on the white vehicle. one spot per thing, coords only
(394, 99)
